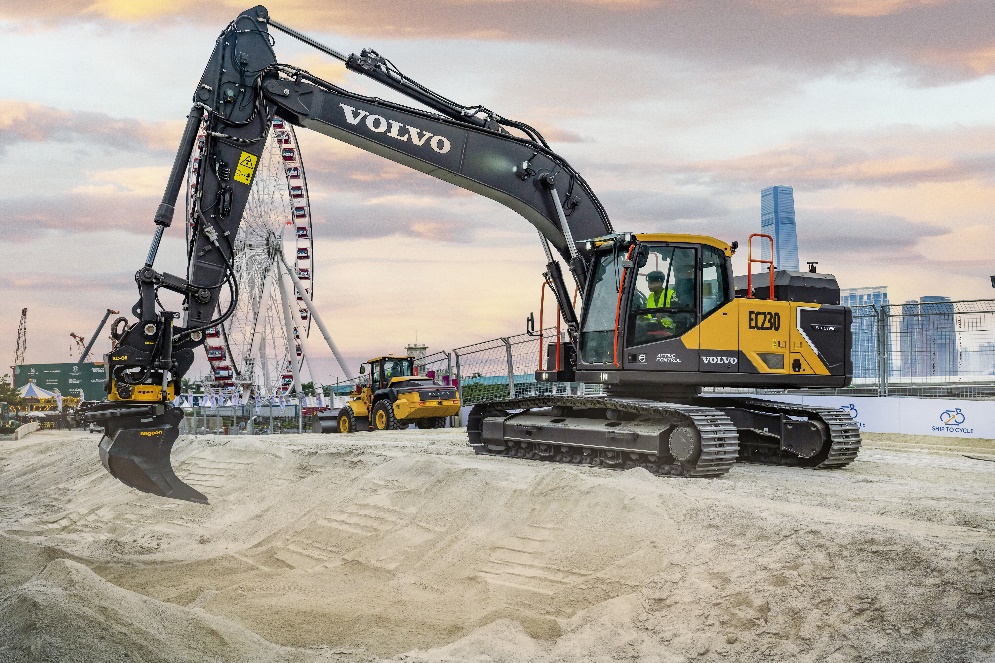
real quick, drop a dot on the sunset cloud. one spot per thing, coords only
(945, 38)
(899, 156)
(24, 217)
(862, 8)
(27, 122)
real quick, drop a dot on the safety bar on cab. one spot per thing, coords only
(751, 260)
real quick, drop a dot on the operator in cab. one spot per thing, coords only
(680, 294)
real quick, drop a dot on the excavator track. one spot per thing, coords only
(841, 436)
(556, 434)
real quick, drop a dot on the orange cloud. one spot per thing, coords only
(858, 8)
(938, 39)
(323, 67)
(980, 61)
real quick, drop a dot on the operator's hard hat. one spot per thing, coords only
(655, 275)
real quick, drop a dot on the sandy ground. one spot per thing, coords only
(406, 546)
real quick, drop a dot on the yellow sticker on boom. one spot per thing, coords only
(246, 166)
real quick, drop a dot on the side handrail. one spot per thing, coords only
(749, 265)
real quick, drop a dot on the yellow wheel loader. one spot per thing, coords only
(393, 396)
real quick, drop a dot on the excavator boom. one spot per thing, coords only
(242, 89)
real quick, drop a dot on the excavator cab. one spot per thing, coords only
(652, 294)
(664, 310)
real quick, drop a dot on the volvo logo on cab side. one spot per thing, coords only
(379, 124)
(824, 328)
(720, 360)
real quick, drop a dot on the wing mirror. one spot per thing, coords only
(362, 369)
(530, 324)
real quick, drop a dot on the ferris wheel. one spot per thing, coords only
(251, 348)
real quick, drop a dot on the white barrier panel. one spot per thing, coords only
(910, 416)
(24, 429)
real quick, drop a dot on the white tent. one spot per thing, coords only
(31, 390)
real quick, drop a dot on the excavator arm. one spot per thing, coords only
(241, 90)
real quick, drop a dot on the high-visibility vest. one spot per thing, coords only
(662, 299)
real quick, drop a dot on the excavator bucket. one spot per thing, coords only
(136, 452)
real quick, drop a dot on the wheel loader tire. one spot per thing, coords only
(431, 422)
(347, 420)
(383, 416)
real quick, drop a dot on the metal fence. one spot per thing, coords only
(938, 349)
(505, 367)
(438, 365)
(929, 348)
(925, 348)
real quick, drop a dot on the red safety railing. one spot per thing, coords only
(749, 265)
(559, 321)
(542, 311)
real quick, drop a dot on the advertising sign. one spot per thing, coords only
(68, 378)
(949, 418)
(910, 416)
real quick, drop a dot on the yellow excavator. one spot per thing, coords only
(660, 316)
(391, 397)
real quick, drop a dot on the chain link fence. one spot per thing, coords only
(930, 348)
(939, 349)
(439, 366)
(927, 348)
(505, 367)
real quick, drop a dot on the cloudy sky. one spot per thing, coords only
(878, 112)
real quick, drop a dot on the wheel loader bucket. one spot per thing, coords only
(137, 455)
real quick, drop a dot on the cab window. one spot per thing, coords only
(598, 329)
(714, 280)
(664, 301)
(395, 368)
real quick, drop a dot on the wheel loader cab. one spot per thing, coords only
(394, 367)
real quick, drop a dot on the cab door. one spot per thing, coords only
(719, 326)
(661, 322)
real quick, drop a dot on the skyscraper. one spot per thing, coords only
(777, 219)
(865, 303)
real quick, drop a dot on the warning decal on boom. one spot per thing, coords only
(246, 166)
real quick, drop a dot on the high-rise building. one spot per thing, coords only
(928, 338)
(777, 219)
(865, 302)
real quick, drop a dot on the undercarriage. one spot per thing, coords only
(702, 437)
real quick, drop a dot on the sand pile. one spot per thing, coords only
(68, 613)
(406, 546)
